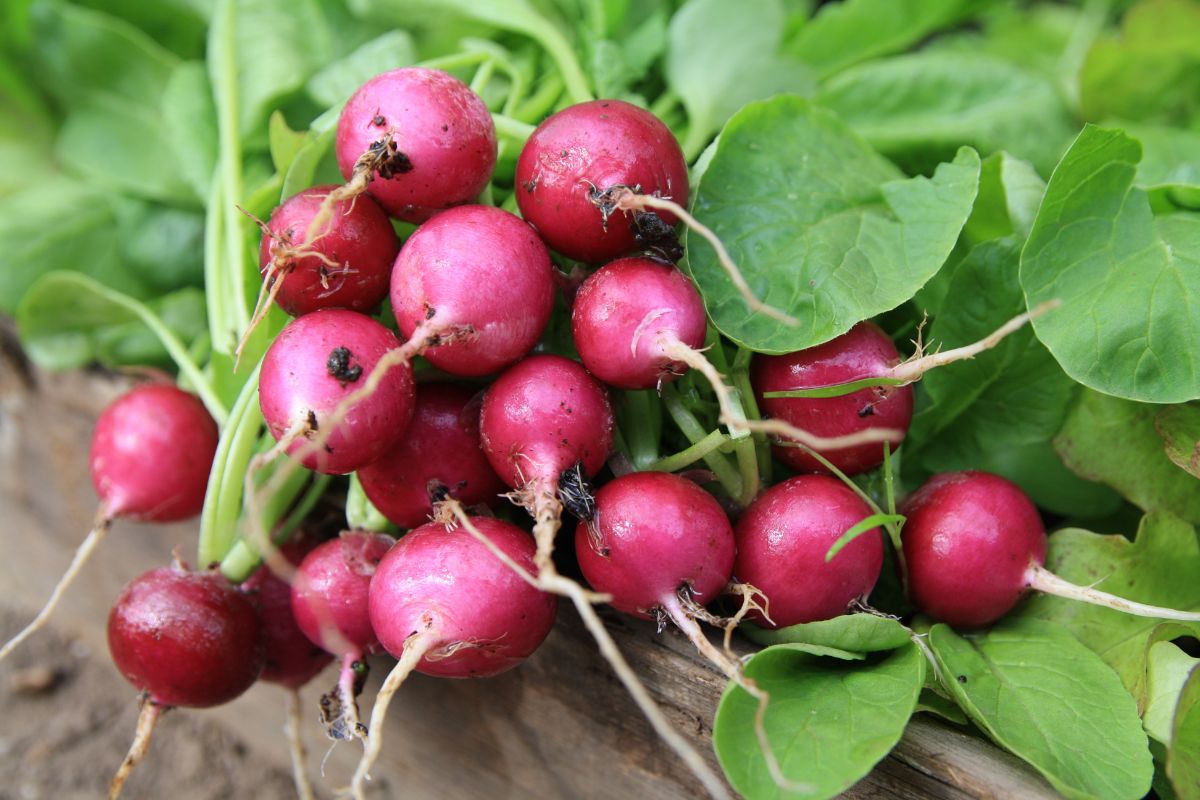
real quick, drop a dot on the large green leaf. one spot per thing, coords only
(334, 84)
(853, 633)
(1170, 156)
(190, 119)
(1010, 192)
(1179, 426)
(918, 109)
(1042, 695)
(722, 55)
(1129, 281)
(1114, 441)
(1152, 70)
(829, 720)
(821, 226)
(1158, 568)
(846, 33)
(1183, 759)
(998, 411)
(1167, 670)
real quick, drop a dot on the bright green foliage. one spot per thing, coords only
(1179, 426)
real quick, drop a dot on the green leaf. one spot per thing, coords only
(721, 56)
(1183, 759)
(829, 721)
(284, 142)
(931, 702)
(334, 84)
(854, 633)
(1010, 192)
(1114, 441)
(1179, 426)
(1039, 693)
(1167, 670)
(164, 246)
(1152, 70)
(846, 33)
(190, 125)
(318, 146)
(998, 411)
(918, 109)
(1158, 568)
(821, 226)
(1170, 156)
(1129, 282)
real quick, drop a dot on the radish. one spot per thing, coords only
(583, 152)
(344, 265)
(975, 545)
(418, 139)
(329, 602)
(631, 320)
(476, 269)
(443, 605)
(319, 362)
(182, 639)
(782, 541)
(663, 548)
(440, 454)
(151, 454)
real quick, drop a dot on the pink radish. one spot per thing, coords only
(317, 362)
(329, 602)
(583, 152)
(151, 454)
(444, 605)
(630, 319)
(975, 545)
(480, 269)
(439, 454)
(783, 538)
(418, 139)
(182, 639)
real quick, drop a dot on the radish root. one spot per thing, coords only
(100, 528)
(415, 647)
(291, 729)
(1043, 580)
(339, 708)
(625, 199)
(147, 719)
(382, 157)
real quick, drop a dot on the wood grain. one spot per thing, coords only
(558, 727)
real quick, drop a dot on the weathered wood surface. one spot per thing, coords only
(558, 727)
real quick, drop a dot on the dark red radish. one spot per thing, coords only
(541, 418)
(329, 602)
(629, 318)
(975, 544)
(426, 141)
(583, 152)
(478, 269)
(346, 265)
(443, 604)
(182, 639)
(292, 659)
(783, 538)
(863, 352)
(151, 453)
(440, 453)
(319, 362)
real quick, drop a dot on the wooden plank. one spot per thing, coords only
(560, 726)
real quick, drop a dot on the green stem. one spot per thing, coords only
(747, 460)
(482, 76)
(642, 427)
(512, 128)
(741, 382)
(224, 340)
(667, 102)
(223, 62)
(685, 458)
(729, 477)
(223, 498)
(467, 58)
(539, 105)
(560, 50)
(243, 559)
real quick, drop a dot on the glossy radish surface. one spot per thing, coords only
(479, 616)
(480, 267)
(329, 593)
(587, 149)
(542, 417)
(654, 534)
(440, 449)
(625, 311)
(292, 660)
(969, 541)
(358, 240)
(315, 363)
(151, 454)
(186, 638)
(443, 129)
(864, 351)
(783, 538)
